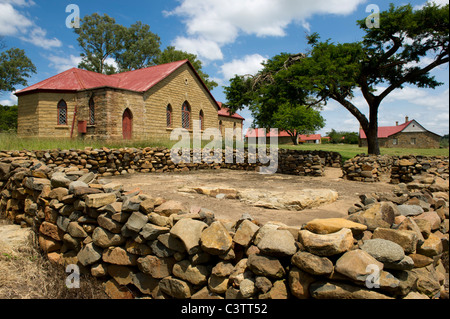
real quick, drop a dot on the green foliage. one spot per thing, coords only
(388, 55)
(8, 118)
(136, 47)
(170, 54)
(15, 67)
(141, 48)
(100, 38)
(445, 141)
(343, 137)
(298, 120)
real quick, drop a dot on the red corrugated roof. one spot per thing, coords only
(262, 132)
(138, 80)
(386, 131)
(224, 111)
(312, 137)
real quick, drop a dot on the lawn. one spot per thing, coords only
(10, 141)
(349, 151)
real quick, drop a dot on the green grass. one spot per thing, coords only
(10, 141)
(348, 151)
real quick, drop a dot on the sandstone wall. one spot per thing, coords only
(392, 245)
(394, 169)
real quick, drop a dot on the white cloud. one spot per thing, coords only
(9, 100)
(21, 3)
(14, 23)
(38, 37)
(438, 2)
(11, 21)
(250, 64)
(62, 64)
(200, 47)
(222, 22)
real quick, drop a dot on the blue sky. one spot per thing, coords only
(229, 36)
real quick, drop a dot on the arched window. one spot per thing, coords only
(169, 115)
(186, 116)
(62, 113)
(91, 112)
(201, 119)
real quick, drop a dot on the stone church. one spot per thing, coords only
(142, 104)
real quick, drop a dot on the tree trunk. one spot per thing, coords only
(372, 132)
(295, 139)
(372, 140)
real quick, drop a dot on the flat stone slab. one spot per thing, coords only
(294, 200)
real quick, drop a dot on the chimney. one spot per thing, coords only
(406, 119)
(396, 123)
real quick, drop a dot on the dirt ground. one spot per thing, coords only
(166, 186)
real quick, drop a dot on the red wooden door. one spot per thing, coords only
(127, 124)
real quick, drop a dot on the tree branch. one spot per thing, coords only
(410, 76)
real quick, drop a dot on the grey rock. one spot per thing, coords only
(385, 251)
(89, 254)
(136, 222)
(410, 210)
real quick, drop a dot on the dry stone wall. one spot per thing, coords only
(109, 162)
(394, 169)
(392, 245)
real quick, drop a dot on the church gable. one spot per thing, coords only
(149, 103)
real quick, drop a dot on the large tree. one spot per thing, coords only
(140, 47)
(100, 38)
(404, 49)
(15, 68)
(297, 120)
(171, 54)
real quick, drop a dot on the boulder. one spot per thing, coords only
(155, 266)
(312, 264)
(189, 231)
(99, 200)
(244, 234)
(384, 251)
(104, 238)
(89, 254)
(265, 266)
(299, 283)
(136, 222)
(410, 210)
(277, 243)
(119, 256)
(175, 288)
(333, 225)
(357, 265)
(407, 239)
(326, 245)
(151, 232)
(170, 207)
(215, 239)
(335, 290)
(195, 274)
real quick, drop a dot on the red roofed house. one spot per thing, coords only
(228, 120)
(407, 135)
(141, 104)
(284, 137)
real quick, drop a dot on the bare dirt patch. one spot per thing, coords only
(167, 186)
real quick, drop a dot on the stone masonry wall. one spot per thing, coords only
(392, 245)
(394, 169)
